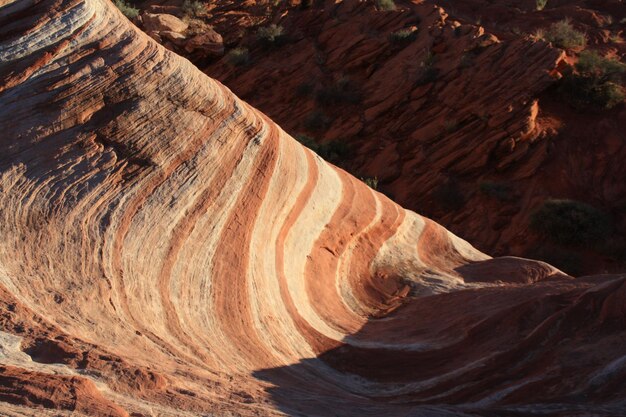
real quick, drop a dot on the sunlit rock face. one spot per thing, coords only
(166, 249)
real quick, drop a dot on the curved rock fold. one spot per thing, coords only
(168, 250)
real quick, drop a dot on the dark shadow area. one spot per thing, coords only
(550, 348)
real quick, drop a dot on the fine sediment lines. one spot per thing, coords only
(166, 249)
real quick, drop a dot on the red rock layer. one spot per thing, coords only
(442, 114)
(168, 250)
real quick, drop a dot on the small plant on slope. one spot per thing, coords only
(128, 10)
(238, 56)
(193, 8)
(386, 4)
(371, 182)
(570, 222)
(271, 34)
(540, 4)
(596, 82)
(563, 35)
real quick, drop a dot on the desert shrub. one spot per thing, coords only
(128, 10)
(193, 8)
(371, 182)
(270, 35)
(341, 92)
(386, 4)
(540, 4)
(570, 222)
(565, 259)
(334, 151)
(403, 36)
(595, 82)
(428, 76)
(495, 190)
(306, 140)
(428, 71)
(449, 196)
(563, 35)
(451, 125)
(316, 121)
(238, 56)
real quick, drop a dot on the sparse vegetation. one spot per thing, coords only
(128, 10)
(386, 4)
(540, 4)
(238, 56)
(595, 82)
(570, 222)
(341, 92)
(193, 8)
(450, 125)
(563, 35)
(316, 121)
(403, 36)
(371, 182)
(334, 151)
(270, 35)
(428, 71)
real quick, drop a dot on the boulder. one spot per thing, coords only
(163, 23)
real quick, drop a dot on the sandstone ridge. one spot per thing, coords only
(168, 250)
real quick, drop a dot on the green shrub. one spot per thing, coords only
(595, 83)
(238, 56)
(570, 222)
(386, 4)
(403, 36)
(193, 8)
(334, 151)
(270, 35)
(540, 4)
(371, 182)
(307, 141)
(563, 35)
(316, 121)
(128, 10)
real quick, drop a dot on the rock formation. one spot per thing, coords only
(166, 249)
(457, 123)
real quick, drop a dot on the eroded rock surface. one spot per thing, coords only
(168, 250)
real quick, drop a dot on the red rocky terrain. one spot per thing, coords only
(168, 250)
(455, 111)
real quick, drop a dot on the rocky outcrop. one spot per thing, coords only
(459, 120)
(168, 250)
(197, 40)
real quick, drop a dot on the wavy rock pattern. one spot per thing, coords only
(168, 250)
